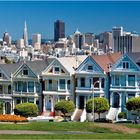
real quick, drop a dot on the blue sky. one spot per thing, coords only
(88, 16)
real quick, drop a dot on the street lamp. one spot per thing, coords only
(93, 99)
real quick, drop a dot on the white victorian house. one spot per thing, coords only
(59, 81)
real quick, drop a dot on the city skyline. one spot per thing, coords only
(88, 16)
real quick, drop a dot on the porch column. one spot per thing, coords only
(136, 81)
(111, 98)
(85, 101)
(34, 87)
(34, 100)
(13, 105)
(44, 104)
(77, 101)
(3, 107)
(100, 81)
(27, 87)
(66, 87)
(126, 80)
(52, 104)
(11, 108)
(120, 102)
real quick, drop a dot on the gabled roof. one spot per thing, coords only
(135, 56)
(72, 62)
(105, 60)
(36, 66)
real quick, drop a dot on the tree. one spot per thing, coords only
(133, 104)
(26, 109)
(65, 106)
(101, 105)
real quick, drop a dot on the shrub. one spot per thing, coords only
(101, 105)
(122, 115)
(65, 107)
(26, 109)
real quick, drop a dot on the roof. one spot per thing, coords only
(105, 60)
(72, 62)
(135, 56)
(36, 66)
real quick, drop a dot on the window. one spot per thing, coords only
(31, 86)
(90, 67)
(103, 83)
(38, 87)
(1, 89)
(131, 80)
(25, 72)
(116, 77)
(22, 86)
(62, 83)
(50, 84)
(96, 82)
(0, 75)
(125, 65)
(82, 82)
(56, 70)
(68, 84)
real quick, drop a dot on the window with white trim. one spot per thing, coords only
(125, 64)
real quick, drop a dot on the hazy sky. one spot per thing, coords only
(88, 16)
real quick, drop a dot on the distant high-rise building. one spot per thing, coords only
(78, 39)
(125, 42)
(36, 41)
(59, 30)
(7, 38)
(106, 41)
(25, 35)
(89, 38)
(20, 43)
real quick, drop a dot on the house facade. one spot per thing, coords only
(59, 81)
(125, 84)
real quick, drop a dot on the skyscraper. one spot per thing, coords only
(7, 38)
(25, 35)
(36, 41)
(59, 30)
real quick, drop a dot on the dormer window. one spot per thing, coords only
(56, 70)
(0, 75)
(125, 65)
(90, 67)
(25, 72)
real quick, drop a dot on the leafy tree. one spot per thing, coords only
(65, 106)
(133, 104)
(26, 109)
(101, 105)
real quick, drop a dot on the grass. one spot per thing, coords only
(53, 126)
(73, 136)
(100, 133)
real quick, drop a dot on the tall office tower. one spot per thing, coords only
(78, 39)
(20, 43)
(59, 30)
(125, 42)
(89, 38)
(36, 41)
(25, 35)
(7, 38)
(106, 41)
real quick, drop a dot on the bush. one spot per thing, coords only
(26, 109)
(65, 107)
(122, 115)
(101, 105)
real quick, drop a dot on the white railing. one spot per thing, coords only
(73, 115)
(83, 116)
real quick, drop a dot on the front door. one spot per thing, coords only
(81, 100)
(116, 100)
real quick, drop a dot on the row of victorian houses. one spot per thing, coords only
(78, 78)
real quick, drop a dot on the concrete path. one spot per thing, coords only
(14, 132)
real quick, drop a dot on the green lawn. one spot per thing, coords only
(55, 126)
(73, 136)
(100, 133)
